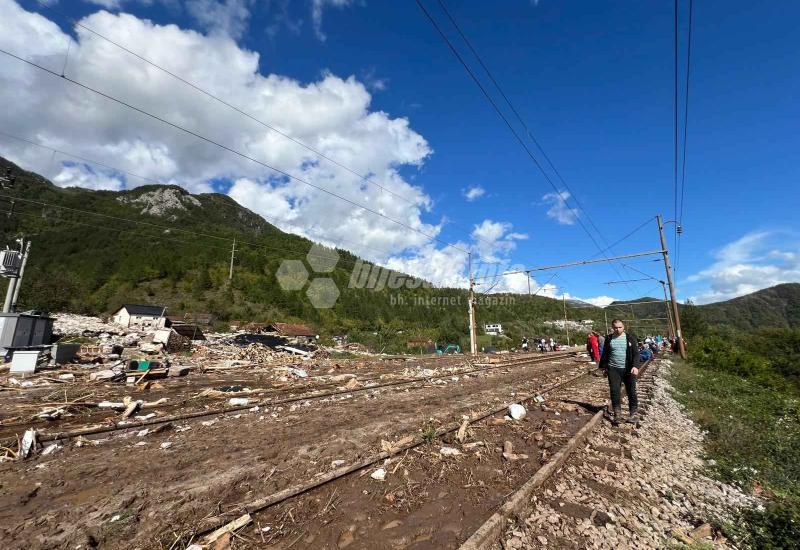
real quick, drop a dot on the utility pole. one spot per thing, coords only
(473, 339)
(233, 252)
(13, 274)
(670, 326)
(605, 316)
(21, 273)
(566, 328)
(12, 286)
(528, 276)
(675, 313)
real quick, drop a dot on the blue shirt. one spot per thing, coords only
(619, 349)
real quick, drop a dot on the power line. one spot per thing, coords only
(364, 177)
(257, 246)
(229, 149)
(157, 182)
(222, 101)
(627, 236)
(508, 123)
(675, 124)
(685, 131)
(56, 220)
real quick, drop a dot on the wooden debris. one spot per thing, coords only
(238, 523)
(461, 435)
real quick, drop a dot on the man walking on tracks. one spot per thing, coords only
(620, 360)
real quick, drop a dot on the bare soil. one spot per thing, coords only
(131, 489)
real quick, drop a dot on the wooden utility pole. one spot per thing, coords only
(676, 316)
(566, 327)
(233, 252)
(473, 339)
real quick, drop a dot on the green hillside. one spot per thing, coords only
(179, 257)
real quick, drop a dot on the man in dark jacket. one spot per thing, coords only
(620, 360)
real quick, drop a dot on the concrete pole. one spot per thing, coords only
(528, 276)
(473, 338)
(566, 328)
(670, 326)
(675, 313)
(21, 273)
(12, 285)
(233, 251)
(605, 316)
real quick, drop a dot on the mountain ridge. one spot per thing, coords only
(178, 253)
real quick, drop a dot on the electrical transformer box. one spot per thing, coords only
(10, 262)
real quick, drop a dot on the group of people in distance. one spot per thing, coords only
(542, 344)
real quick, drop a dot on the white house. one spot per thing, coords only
(140, 315)
(493, 329)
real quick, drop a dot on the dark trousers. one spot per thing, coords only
(617, 377)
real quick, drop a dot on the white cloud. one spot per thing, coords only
(495, 239)
(224, 16)
(331, 114)
(559, 210)
(317, 9)
(599, 301)
(81, 175)
(107, 4)
(473, 192)
(757, 260)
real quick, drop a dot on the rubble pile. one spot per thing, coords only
(70, 324)
(651, 494)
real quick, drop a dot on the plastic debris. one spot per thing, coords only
(379, 474)
(28, 443)
(50, 449)
(517, 411)
(238, 401)
(449, 451)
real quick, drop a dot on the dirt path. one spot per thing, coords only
(131, 491)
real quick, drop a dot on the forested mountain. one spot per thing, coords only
(95, 250)
(162, 245)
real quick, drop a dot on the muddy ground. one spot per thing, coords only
(149, 489)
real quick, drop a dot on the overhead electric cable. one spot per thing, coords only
(273, 221)
(685, 132)
(226, 148)
(627, 236)
(675, 123)
(254, 245)
(242, 112)
(508, 123)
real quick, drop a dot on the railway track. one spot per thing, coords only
(262, 506)
(490, 533)
(321, 391)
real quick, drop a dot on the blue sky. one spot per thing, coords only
(593, 81)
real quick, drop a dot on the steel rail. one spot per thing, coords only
(267, 403)
(214, 522)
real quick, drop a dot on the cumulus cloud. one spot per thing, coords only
(331, 114)
(559, 210)
(599, 301)
(317, 9)
(82, 175)
(224, 16)
(473, 193)
(494, 239)
(757, 260)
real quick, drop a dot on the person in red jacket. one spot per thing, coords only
(592, 347)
